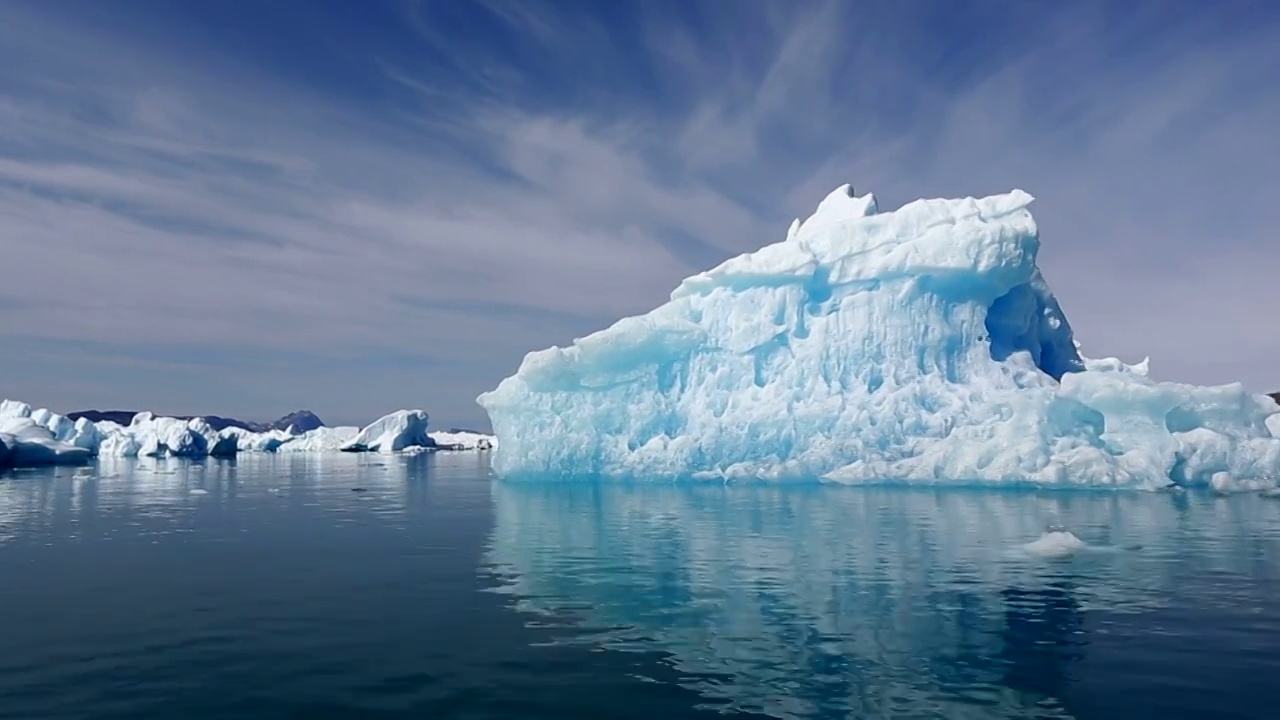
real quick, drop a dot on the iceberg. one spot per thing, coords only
(171, 437)
(41, 436)
(400, 430)
(321, 439)
(922, 344)
(462, 440)
(24, 442)
(249, 441)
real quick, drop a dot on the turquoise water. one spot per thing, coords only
(361, 586)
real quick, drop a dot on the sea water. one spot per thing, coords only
(389, 586)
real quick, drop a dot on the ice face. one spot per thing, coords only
(921, 344)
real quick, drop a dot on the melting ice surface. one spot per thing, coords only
(921, 344)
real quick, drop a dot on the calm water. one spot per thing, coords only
(279, 592)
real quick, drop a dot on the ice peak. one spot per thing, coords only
(841, 205)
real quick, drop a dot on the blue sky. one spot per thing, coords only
(356, 206)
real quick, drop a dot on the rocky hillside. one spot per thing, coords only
(302, 420)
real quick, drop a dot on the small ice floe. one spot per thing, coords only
(1271, 492)
(1056, 542)
(1223, 484)
(1172, 488)
(198, 491)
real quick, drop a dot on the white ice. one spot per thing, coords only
(921, 344)
(325, 439)
(400, 430)
(463, 440)
(1055, 544)
(24, 442)
(249, 441)
(41, 437)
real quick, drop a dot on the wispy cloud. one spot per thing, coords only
(503, 176)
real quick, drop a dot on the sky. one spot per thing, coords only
(355, 206)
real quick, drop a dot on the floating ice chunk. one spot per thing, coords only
(400, 430)
(1224, 484)
(921, 344)
(463, 440)
(1055, 544)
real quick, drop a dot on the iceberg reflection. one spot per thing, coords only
(865, 601)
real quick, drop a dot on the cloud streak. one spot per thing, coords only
(190, 231)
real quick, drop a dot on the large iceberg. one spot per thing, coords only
(921, 344)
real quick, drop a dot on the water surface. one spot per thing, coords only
(390, 587)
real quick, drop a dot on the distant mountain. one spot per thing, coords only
(120, 417)
(302, 420)
(1276, 396)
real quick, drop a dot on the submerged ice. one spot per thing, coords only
(921, 344)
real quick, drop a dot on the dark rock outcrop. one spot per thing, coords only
(303, 420)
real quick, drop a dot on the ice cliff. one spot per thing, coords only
(921, 344)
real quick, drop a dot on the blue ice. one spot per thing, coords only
(921, 344)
